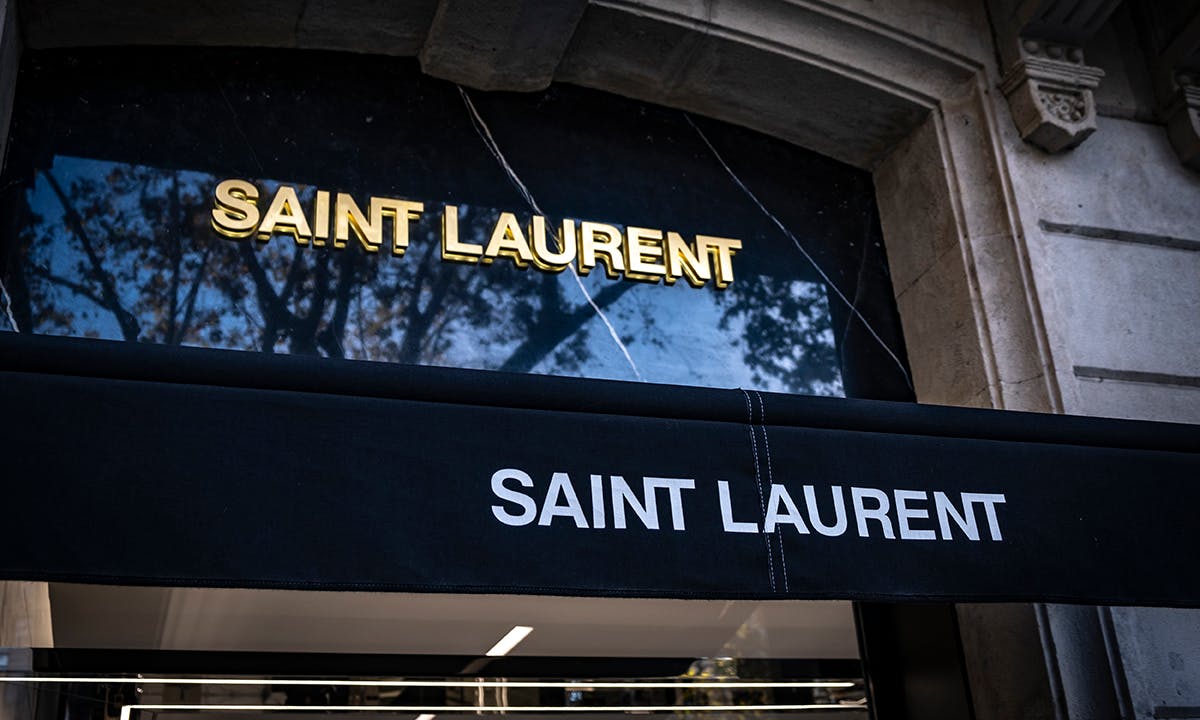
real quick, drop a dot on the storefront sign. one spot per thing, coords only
(242, 469)
(894, 515)
(645, 254)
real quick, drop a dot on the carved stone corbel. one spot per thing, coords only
(1047, 84)
(1170, 35)
(1182, 115)
(1049, 90)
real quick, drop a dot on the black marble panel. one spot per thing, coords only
(113, 155)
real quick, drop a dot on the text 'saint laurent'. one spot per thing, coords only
(331, 219)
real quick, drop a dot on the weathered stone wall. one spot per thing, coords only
(1113, 232)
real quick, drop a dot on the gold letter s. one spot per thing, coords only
(235, 212)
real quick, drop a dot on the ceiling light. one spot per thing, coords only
(509, 641)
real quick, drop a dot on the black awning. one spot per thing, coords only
(141, 464)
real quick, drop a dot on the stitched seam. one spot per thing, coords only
(762, 505)
(762, 417)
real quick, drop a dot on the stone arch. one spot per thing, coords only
(855, 82)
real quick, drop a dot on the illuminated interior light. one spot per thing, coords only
(574, 685)
(128, 709)
(509, 641)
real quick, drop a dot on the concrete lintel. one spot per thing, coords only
(500, 44)
(813, 75)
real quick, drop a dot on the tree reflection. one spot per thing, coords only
(787, 336)
(125, 251)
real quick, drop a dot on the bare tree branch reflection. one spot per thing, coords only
(108, 290)
(127, 251)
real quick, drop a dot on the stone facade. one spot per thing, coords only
(1036, 171)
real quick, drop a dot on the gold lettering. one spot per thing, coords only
(545, 258)
(641, 244)
(636, 253)
(452, 249)
(402, 212)
(347, 216)
(607, 250)
(321, 219)
(285, 215)
(722, 249)
(235, 210)
(508, 240)
(683, 262)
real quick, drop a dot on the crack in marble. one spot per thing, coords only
(8, 313)
(788, 233)
(485, 134)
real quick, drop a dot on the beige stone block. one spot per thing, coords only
(959, 26)
(944, 347)
(1121, 305)
(980, 177)
(500, 44)
(915, 207)
(365, 26)
(1003, 653)
(25, 619)
(1137, 401)
(1125, 176)
(1027, 394)
(1008, 308)
(745, 75)
(1161, 649)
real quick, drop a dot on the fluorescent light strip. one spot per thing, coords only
(577, 685)
(127, 709)
(505, 645)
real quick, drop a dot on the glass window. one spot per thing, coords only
(140, 653)
(597, 236)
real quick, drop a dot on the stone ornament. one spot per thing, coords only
(1182, 114)
(1049, 91)
(1068, 107)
